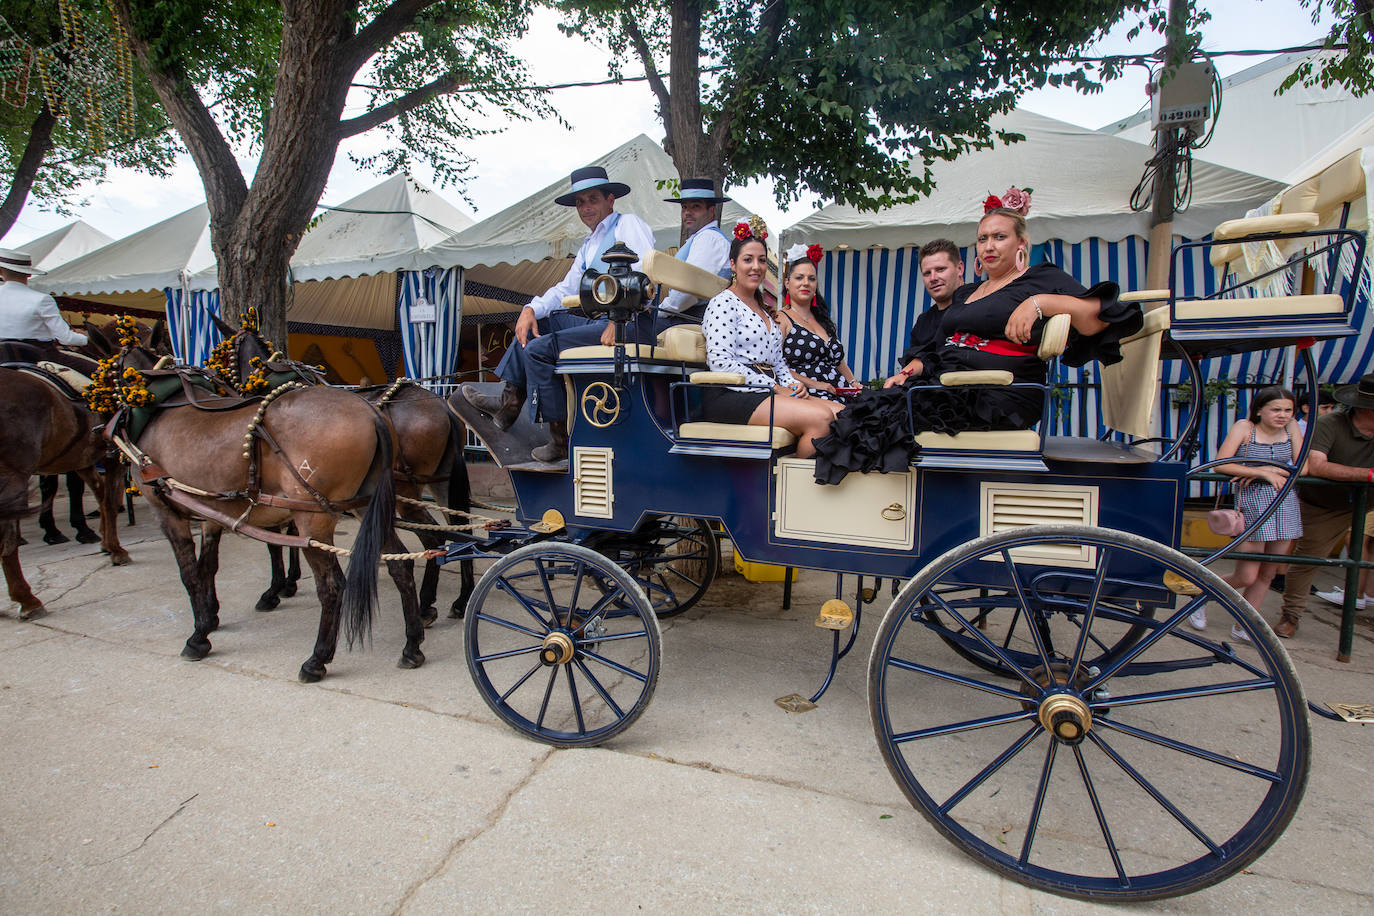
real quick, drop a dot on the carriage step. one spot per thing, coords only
(835, 615)
(795, 702)
(1360, 713)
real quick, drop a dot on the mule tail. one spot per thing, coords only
(360, 581)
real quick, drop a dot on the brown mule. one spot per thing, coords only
(44, 432)
(430, 441)
(322, 445)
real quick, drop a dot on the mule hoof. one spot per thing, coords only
(311, 673)
(267, 602)
(458, 609)
(288, 590)
(55, 537)
(428, 616)
(194, 653)
(411, 659)
(120, 559)
(87, 536)
(32, 612)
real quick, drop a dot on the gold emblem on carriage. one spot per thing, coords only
(600, 404)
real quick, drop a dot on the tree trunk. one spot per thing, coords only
(38, 146)
(255, 230)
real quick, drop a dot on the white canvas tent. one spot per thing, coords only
(526, 247)
(1263, 133)
(134, 271)
(1082, 182)
(62, 245)
(345, 271)
(1080, 219)
(1360, 137)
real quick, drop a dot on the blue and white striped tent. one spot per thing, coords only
(190, 324)
(1080, 220)
(430, 313)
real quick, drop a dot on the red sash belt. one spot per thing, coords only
(996, 347)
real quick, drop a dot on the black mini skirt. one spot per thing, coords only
(726, 405)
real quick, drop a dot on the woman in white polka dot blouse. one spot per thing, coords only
(743, 336)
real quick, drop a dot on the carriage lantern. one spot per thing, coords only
(620, 293)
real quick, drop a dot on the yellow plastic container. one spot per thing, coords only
(761, 572)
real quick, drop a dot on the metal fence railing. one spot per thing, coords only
(1353, 562)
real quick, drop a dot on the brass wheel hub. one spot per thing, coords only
(557, 649)
(1066, 717)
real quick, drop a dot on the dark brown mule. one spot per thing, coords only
(322, 446)
(430, 441)
(44, 432)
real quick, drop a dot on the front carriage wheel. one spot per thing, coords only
(562, 644)
(1073, 773)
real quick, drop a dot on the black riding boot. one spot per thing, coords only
(557, 448)
(503, 408)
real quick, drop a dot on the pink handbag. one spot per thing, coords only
(1225, 522)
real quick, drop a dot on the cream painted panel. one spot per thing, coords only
(1005, 506)
(593, 493)
(869, 510)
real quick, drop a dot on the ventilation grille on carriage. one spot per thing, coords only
(593, 496)
(1007, 506)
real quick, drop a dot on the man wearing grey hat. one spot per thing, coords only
(28, 316)
(1342, 449)
(544, 327)
(706, 247)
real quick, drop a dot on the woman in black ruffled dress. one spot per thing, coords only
(995, 324)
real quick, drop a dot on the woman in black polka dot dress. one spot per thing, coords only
(810, 343)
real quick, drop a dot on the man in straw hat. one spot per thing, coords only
(28, 316)
(706, 247)
(1342, 449)
(545, 327)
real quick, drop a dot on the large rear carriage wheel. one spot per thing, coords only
(562, 644)
(673, 558)
(1112, 755)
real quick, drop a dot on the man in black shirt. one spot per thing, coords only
(942, 272)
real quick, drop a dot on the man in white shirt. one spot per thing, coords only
(706, 247)
(545, 327)
(28, 316)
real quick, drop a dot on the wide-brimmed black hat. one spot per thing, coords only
(702, 189)
(593, 176)
(18, 261)
(1359, 395)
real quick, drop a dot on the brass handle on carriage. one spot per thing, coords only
(894, 513)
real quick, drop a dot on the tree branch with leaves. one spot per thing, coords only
(238, 75)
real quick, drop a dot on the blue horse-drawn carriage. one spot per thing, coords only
(1101, 749)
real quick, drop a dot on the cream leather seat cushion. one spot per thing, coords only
(737, 432)
(680, 343)
(986, 440)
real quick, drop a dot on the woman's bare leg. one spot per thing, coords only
(807, 419)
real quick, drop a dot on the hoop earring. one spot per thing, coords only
(1021, 259)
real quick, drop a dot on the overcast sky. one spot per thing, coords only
(526, 157)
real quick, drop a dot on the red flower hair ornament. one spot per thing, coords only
(814, 253)
(1013, 198)
(752, 228)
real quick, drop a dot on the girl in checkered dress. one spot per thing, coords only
(1271, 432)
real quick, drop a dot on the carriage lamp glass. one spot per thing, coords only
(605, 289)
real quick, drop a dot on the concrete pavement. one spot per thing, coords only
(136, 781)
